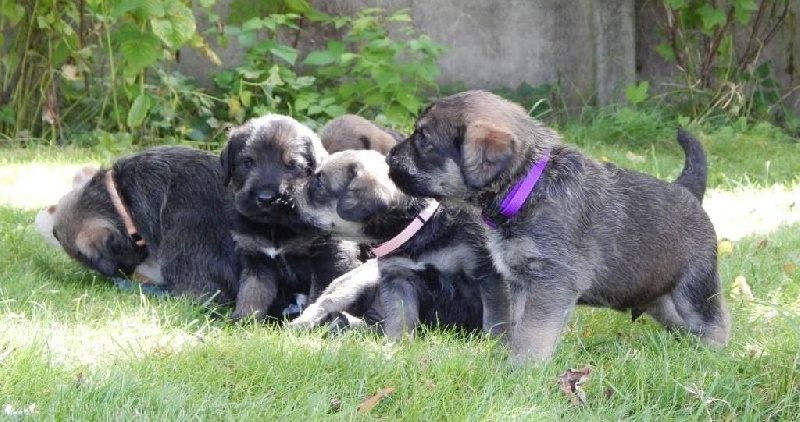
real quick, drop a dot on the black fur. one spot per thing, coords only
(179, 206)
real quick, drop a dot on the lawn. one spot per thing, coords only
(72, 346)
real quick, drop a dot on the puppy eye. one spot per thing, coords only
(55, 235)
(317, 184)
(423, 138)
(247, 163)
(293, 165)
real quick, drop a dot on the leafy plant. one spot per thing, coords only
(719, 76)
(366, 72)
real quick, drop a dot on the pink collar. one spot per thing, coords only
(411, 229)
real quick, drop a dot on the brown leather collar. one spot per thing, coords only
(122, 211)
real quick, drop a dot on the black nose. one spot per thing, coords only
(264, 197)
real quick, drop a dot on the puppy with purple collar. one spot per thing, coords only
(564, 229)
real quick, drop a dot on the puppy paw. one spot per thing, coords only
(335, 323)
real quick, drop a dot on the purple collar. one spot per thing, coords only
(518, 194)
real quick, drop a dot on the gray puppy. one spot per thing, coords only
(438, 274)
(282, 259)
(355, 132)
(581, 232)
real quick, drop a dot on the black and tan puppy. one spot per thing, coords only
(350, 132)
(166, 204)
(280, 256)
(440, 274)
(586, 232)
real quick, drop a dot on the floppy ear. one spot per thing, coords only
(228, 155)
(97, 241)
(362, 198)
(487, 150)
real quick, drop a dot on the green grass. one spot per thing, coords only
(79, 349)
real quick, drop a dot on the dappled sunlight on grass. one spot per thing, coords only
(36, 185)
(751, 210)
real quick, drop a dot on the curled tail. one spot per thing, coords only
(694, 175)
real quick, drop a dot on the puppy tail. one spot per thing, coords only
(694, 175)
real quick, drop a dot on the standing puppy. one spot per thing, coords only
(281, 257)
(565, 229)
(355, 132)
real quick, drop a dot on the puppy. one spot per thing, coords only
(354, 132)
(280, 256)
(578, 232)
(439, 274)
(165, 204)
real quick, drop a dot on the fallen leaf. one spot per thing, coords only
(788, 267)
(635, 158)
(762, 244)
(373, 401)
(609, 392)
(725, 246)
(336, 404)
(571, 382)
(70, 72)
(603, 158)
(741, 288)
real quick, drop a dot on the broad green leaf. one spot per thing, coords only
(665, 50)
(711, 16)
(123, 7)
(253, 24)
(763, 70)
(138, 110)
(177, 26)
(245, 96)
(400, 17)
(637, 93)
(744, 10)
(153, 8)
(139, 49)
(334, 110)
(408, 101)
(286, 53)
(319, 58)
(13, 11)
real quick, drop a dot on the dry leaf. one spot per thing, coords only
(741, 288)
(725, 246)
(70, 72)
(335, 404)
(373, 401)
(571, 382)
(762, 244)
(788, 267)
(635, 158)
(603, 158)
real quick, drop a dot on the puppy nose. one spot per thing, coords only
(264, 197)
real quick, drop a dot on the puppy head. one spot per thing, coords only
(45, 218)
(262, 158)
(348, 190)
(466, 143)
(86, 226)
(354, 132)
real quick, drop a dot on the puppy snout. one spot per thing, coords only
(264, 197)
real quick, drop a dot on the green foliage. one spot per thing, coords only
(638, 92)
(723, 80)
(366, 72)
(76, 70)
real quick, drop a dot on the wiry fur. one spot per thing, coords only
(590, 233)
(441, 275)
(180, 208)
(280, 256)
(350, 132)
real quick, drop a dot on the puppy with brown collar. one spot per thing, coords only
(433, 265)
(349, 132)
(166, 205)
(564, 229)
(281, 257)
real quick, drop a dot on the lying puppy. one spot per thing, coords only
(354, 132)
(166, 203)
(148, 273)
(565, 229)
(438, 274)
(280, 256)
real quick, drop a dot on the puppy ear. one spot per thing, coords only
(487, 151)
(228, 155)
(98, 242)
(362, 198)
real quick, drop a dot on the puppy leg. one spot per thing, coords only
(663, 310)
(257, 290)
(400, 300)
(699, 301)
(494, 291)
(539, 313)
(340, 294)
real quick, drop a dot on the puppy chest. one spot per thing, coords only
(516, 257)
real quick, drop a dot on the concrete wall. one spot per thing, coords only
(592, 48)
